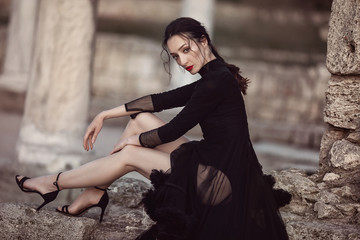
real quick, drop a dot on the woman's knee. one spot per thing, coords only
(128, 153)
(145, 121)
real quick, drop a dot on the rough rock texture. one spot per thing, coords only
(342, 102)
(318, 210)
(345, 155)
(338, 179)
(343, 55)
(23, 222)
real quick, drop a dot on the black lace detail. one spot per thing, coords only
(150, 139)
(143, 104)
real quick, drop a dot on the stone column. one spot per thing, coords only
(203, 11)
(19, 45)
(57, 102)
(340, 146)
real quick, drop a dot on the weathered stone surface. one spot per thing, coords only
(345, 155)
(354, 137)
(344, 191)
(343, 55)
(300, 228)
(328, 197)
(295, 182)
(348, 209)
(22, 222)
(128, 192)
(331, 177)
(343, 101)
(331, 135)
(326, 211)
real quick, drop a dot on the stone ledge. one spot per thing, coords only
(300, 228)
(124, 219)
(18, 221)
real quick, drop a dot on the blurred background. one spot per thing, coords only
(279, 45)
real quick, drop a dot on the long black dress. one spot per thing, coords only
(215, 189)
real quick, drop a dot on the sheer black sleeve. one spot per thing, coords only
(143, 104)
(150, 139)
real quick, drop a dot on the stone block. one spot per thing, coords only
(23, 222)
(331, 135)
(342, 102)
(326, 211)
(127, 192)
(344, 191)
(300, 227)
(347, 209)
(328, 197)
(295, 182)
(354, 137)
(329, 177)
(343, 55)
(345, 155)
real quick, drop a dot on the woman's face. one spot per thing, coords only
(188, 54)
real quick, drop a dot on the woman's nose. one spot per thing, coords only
(182, 61)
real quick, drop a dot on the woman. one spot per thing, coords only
(208, 189)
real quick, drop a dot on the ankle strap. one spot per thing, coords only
(56, 182)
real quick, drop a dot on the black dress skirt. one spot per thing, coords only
(215, 189)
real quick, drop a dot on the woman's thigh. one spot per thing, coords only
(149, 121)
(144, 160)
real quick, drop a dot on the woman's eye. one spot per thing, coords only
(175, 57)
(186, 50)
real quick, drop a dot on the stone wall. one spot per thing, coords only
(330, 199)
(340, 147)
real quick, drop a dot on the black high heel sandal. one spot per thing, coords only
(48, 197)
(103, 202)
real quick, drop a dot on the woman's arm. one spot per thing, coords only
(95, 126)
(150, 103)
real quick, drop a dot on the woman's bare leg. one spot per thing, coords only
(105, 170)
(131, 158)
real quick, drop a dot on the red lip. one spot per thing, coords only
(189, 68)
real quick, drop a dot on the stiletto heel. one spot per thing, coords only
(103, 202)
(48, 197)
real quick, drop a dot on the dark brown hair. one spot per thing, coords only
(194, 30)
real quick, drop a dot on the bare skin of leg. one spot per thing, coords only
(102, 172)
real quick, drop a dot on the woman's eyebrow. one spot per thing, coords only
(179, 48)
(182, 46)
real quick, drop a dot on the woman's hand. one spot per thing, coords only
(92, 132)
(133, 140)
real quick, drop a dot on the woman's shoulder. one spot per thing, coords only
(219, 76)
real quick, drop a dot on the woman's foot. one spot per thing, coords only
(90, 196)
(43, 184)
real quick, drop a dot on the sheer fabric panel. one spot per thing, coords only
(150, 139)
(143, 104)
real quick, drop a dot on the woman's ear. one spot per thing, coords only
(203, 41)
